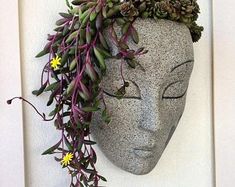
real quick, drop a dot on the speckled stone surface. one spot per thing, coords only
(142, 126)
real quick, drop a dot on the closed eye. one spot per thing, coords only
(124, 97)
(175, 90)
(132, 91)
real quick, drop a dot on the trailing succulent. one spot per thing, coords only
(77, 53)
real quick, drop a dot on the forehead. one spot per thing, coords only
(169, 45)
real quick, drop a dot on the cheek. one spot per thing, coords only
(173, 109)
(124, 112)
(123, 126)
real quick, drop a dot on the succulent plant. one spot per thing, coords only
(185, 11)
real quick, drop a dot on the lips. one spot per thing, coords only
(144, 152)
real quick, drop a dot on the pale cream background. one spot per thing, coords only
(11, 124)
(187, 161)
(224, 92)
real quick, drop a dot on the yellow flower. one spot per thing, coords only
(55, 62)
(67, 159)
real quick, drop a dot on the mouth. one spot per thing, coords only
(144, 152)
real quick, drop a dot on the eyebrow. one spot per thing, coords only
(186, 62)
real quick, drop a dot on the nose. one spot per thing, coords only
(150, 112)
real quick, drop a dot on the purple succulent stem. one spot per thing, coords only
(111, 30)
(62, 139)
(36, 110)
(102, 98)
(43, 71)
(121, 69)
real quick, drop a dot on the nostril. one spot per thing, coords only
(149, 124)
(152, 143)
(150, 121)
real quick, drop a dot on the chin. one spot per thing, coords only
(139, 166)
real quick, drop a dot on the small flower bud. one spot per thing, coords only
(9, 102)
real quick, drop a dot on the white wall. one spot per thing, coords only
(224, 91)
(11, 125)
(186, 162)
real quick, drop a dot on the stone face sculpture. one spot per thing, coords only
(144, 120)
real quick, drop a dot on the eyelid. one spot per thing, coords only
(186, 62)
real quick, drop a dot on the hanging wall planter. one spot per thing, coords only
(118, 70)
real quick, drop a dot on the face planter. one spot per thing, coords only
(144, 120)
